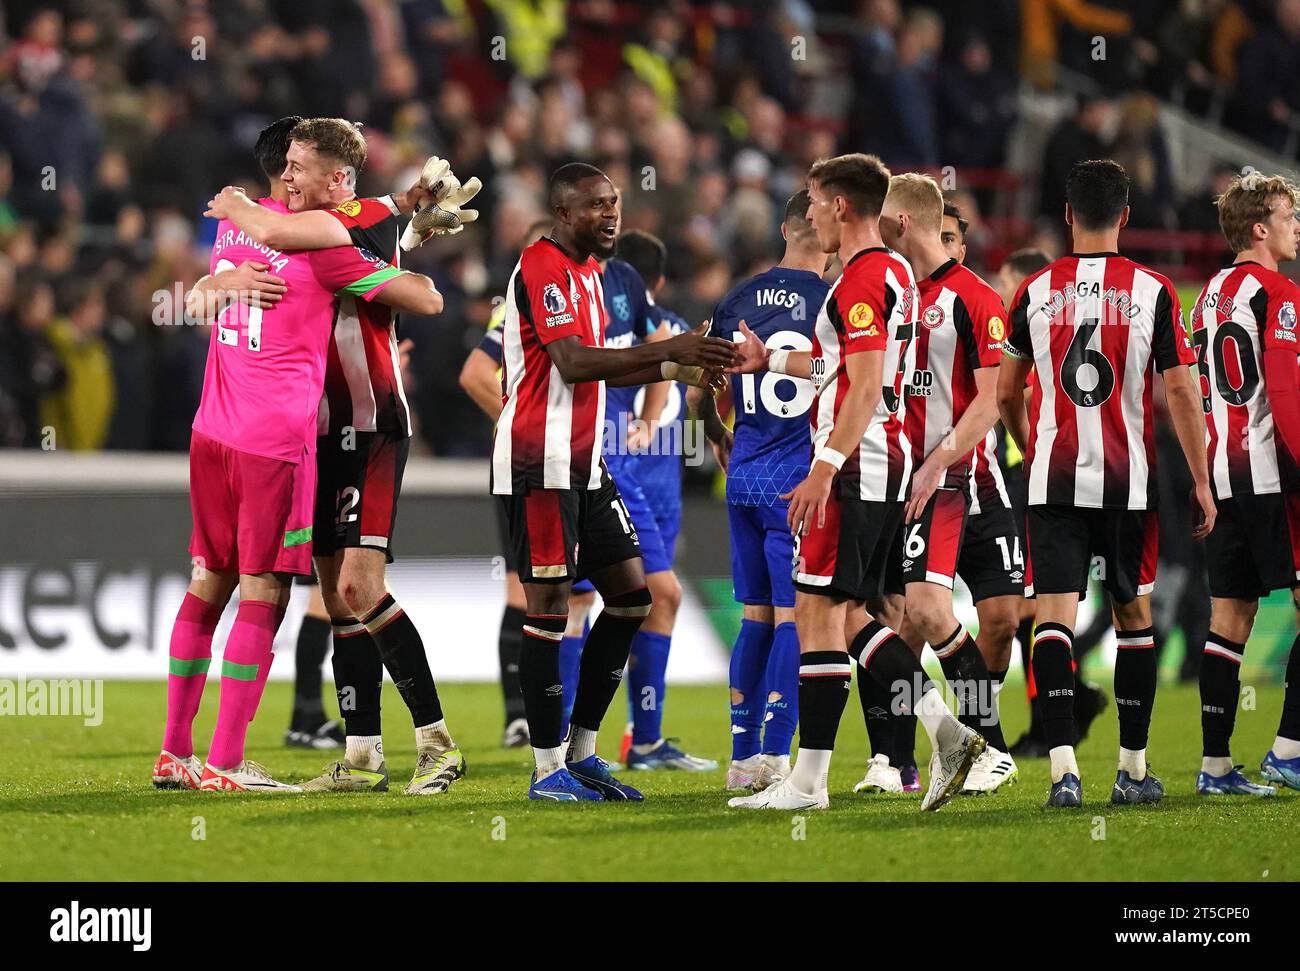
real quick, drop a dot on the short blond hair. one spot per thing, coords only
(1249, 199)
(919, 196)
(336, 139)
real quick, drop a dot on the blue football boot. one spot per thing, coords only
(1284, 771)
(593, 772)
(668, 756)
(1232, 783)
(561, 786)
(1066, 794)
(1128, 791)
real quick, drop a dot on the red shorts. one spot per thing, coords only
(855, 554)
(932, 544)
(252, 514)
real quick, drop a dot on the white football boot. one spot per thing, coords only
(741, 773)
(773, 770)
(174, 772)
(783, 795)
(881, 777)
(247, 776)
(991, 770)
(949, 767)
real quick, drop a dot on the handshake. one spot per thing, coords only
(438, 196)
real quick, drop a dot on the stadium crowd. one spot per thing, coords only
(120, 118)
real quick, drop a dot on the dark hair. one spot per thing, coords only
(647, 254)
(272, 145)
(567, 177)
(1097, 191)
(863, 180)
(1026, 261)
(796, 214)
(951, 209)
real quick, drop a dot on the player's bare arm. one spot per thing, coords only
(622, 366)
(756, 356)
(478, 378)
(652, 406)
(865, 372)
(1188, 416)
(702, 407)
(251, 283)
(980, 415)
(412, 293)
(311, 229)
(1013, 373)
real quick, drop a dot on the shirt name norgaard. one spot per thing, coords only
(102, 924)
(1120, 300)
(232, 237)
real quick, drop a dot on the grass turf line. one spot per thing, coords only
(76, 803)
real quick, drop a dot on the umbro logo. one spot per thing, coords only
(555, 690)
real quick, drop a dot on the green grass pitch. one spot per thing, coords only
(76, 804)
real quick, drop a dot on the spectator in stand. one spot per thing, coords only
(1268, 80)
(977, 108)
(1140, 147)
(80, 410)
(911, 91)
(1084, 136)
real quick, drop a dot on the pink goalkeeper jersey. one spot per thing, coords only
(265, 369)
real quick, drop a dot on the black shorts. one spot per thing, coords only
(357, 490)
(503, 530)
(932, 544)
(568, 534)
(1255, 546)
(856, 555)
(1117, 546)
(992, 561)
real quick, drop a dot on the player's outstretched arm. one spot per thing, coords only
(755, 356)
(251, 283)
(701, 406)
(313, 229)
(1013, 372)
(865, 371)
(478, 377)
(652, 405)
(974, 423)
(412, 293)
(1188, 415)
(621, 366)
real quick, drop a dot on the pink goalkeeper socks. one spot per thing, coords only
(244, 667)
(187, 672)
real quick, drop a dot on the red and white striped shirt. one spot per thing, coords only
(363, 379)
(1096, 327)
(986, 486)
(963, 325)
(1243, 312)
(549, 433)
(872, 307)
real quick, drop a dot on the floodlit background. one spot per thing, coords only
(120, 118)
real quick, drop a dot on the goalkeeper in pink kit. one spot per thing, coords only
(253, 469)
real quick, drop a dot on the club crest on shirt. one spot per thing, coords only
(622, 307)
(1286, 315)
(997, 329)
(932, 317)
